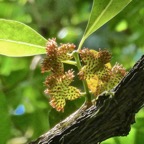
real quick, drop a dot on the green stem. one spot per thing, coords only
(70, 62)
(80, 44)
(77, 59)
(88, 95)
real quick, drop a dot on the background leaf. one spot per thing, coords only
(17, 39)
(102, 11)
(5, 120)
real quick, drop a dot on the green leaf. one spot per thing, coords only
(102, 11)
(4, 121)
(17, 39)
(17, 49)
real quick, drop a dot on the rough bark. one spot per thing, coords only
(111, 115)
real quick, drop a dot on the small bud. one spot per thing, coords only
(64, 51)
(104, 56)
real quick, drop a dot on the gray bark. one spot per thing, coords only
(111, 115)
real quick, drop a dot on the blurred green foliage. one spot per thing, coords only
(24, 109)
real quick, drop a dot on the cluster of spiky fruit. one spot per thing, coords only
(96, 70)
(58, 82)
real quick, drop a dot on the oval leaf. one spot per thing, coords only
(18, 39)
(102, 11)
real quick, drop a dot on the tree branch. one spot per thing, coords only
(111, 115)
